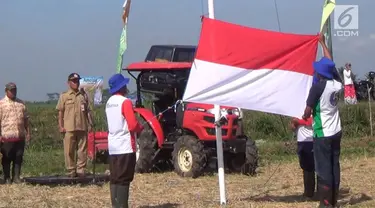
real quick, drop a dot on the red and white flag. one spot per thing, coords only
(252, 69)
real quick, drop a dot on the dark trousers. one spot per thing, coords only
(12, 152)
(327, 160)
(306, 162)
(306, 156)
(122, 168)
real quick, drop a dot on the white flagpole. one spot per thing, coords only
(219, 138)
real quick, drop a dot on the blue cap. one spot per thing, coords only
(324, 67)
(117, 82)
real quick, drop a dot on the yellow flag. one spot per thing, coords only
(328, 8)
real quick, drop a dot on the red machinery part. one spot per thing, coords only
(150, 118)
(101, 142)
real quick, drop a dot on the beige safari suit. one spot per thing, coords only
(75, 121)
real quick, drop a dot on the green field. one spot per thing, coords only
(276, 141)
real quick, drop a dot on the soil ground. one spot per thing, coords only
(276, 185)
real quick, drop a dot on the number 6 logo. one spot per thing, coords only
(346, 17)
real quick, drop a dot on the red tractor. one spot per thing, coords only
(182, 134)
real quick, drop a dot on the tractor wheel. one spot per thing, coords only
(189, 158)
(251, 164)
(235, 162)
(146, 149)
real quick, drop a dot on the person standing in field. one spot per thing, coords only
(304, 133)
(14, 130)
(74, 121)
(122, 127)
(349, 90)
(322, 104)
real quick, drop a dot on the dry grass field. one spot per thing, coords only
(276, 185)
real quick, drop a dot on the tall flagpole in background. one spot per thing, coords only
(219, 136)
(123, 39)
(325, 26)
(328, 36)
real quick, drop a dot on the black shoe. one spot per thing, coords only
(8, 181)
(122, 196)
(309, 184)
(325, 196)
(6, 171)
(16, 171)
(335, 198)
(113, 191)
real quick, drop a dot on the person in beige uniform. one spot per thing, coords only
(74, 121)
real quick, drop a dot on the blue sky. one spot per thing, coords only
(42, 41)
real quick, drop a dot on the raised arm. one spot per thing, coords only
(326, 52)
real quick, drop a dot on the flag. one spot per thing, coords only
(122, 49)
(123, 39)
(325, 26)
(328, 8)
(252, 69)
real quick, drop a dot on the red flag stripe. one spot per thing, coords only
(249, 48)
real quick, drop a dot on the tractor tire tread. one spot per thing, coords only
(199, 156)
(147, 145)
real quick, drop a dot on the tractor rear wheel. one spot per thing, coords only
(235, 162)
(189, 157)
(251, 164)
(146, 148)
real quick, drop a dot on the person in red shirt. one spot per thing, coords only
(122, 127)
(304, 134)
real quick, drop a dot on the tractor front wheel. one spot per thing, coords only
(189, 158)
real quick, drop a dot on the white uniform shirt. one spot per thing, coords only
(347, 77)
(119, 139)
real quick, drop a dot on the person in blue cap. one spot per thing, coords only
(322, 104)
(122, 127)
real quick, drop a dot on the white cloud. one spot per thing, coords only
(372, 36)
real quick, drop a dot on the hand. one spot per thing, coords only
(295, 121)
(62, 129)
(292, 126)
(322, 39)
(28, 137)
